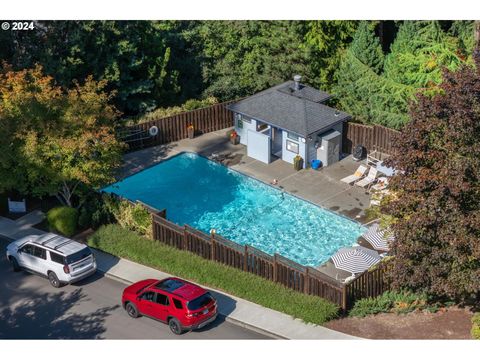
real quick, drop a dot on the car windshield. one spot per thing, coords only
(82, 254)
(200, 302)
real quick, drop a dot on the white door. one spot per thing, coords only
(25, 256)
(258, 146)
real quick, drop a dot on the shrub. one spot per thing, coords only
(159, 113)
(129, 216)
(127, 244)
(390, 301)
(475, 332)
(63, 219)
(94, 212)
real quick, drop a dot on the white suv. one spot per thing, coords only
(61, 260)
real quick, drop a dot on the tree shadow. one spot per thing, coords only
(52, 316)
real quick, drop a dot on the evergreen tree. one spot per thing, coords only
(418, 54)
(326, 40)
(366, 47)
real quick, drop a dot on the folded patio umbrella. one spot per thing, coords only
(380, 239)
(355, 259)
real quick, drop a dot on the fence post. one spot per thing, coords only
(185, 241)
(154, 228)
(344, 298)
(245, 259)
(275, 268)
(212, 246)
(306, 281)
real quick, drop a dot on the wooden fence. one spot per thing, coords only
(275, 268)
(174, 128)
(374, 138)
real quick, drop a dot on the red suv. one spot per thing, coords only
(183, 305)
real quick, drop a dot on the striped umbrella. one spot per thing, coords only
(355, 259)
(378, 238)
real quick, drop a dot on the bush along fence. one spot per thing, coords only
(373, 138)
(174, 128)
(274, 268)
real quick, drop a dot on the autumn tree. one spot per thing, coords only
(436, 207)
(55, 140)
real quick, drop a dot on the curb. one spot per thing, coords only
(227, 318)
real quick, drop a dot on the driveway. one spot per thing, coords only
(31, 309)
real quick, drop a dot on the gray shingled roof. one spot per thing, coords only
(299, 111)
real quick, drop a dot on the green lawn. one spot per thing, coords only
(129, 245)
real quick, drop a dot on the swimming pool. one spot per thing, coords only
(206, 195)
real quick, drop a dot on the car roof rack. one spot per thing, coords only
(63, 244)
(50, 239)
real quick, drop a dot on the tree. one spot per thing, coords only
(326, 40)
(243, 57)
(369, 97)
(366, 47)
(55, 140)
(133, 56)
(436, 207)
(419, 53)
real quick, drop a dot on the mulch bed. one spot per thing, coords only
(451, 323)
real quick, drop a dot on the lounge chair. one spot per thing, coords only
(369, 179)
(356, 176)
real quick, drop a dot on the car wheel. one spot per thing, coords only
(14, 263)
(52, 277)
(131, 310)
(175, 326)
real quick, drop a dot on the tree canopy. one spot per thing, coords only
(54, 140)
(159, 64)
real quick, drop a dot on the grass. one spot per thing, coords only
(129, 245)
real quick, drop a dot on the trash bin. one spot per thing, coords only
(298, 163)
(316, 164)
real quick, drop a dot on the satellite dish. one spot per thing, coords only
(153, 131)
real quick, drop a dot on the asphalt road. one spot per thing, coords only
(32, 309)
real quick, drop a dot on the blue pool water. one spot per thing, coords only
(207, 195)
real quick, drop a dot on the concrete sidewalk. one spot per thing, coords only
(236, 310)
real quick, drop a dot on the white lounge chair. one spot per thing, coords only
(356, 176)
(369, 179)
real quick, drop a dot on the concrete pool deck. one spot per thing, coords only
(321, 187)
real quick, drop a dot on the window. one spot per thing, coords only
(170, 285)
(238, 119)
(149, 295)
(291, 146)
(57, 258)
(200, 302)
(178, 304)
(82, 254)
(261, 126)
(292, 136)
(27, 249)
(162, 299)
(39, 252)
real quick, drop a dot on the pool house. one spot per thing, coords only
(287, 120)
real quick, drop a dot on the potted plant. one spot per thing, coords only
(298, 162)
(190, 131)
(234, 138)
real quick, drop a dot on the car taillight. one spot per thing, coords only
(66, 269)
(191, 315)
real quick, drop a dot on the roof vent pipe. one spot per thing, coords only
(297, 79)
